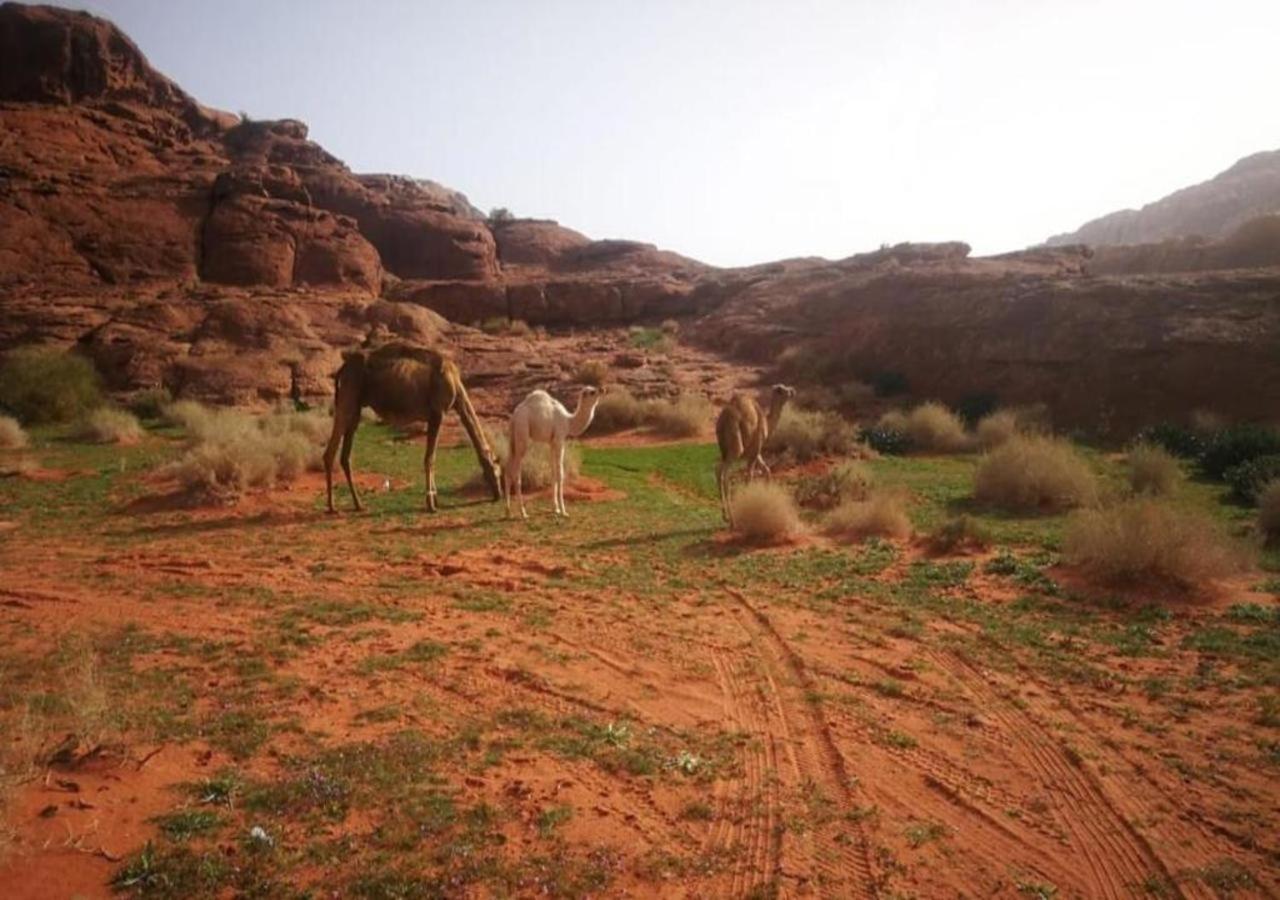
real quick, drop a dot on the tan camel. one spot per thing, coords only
(741, 430)
(402, 383)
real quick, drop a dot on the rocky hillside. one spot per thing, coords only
(1210, 210)
(232, 260)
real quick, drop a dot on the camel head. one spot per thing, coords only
(781, 393)
(585, 412)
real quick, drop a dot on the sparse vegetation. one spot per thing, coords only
(1033, 473)
(618, 410)
(1152, 470)
(593, 372)
(931, 427)
(806, 434)
(150, 403)
(232, 451)
(684, 416)
(848, 480)
(764, 511)
(1249, 478)
(505, 326)
(959, 534)
(12, 437)
(1149, 539)
(881, 515)
(653, 339)
(106, 425)
(43, 384)
(1235, 445)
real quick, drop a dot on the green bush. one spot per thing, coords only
(150, 403)
(42, 384)
(1235, 445)
(1269, 511)
(973, 408)
(1249, 478)
(890, 441)
(1179, 440)
(888, 384)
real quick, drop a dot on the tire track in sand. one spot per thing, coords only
(1118, 860)
(835, 854)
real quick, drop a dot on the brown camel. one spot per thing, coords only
(741, 430)
(402, 383)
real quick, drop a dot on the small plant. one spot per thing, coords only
(618, 410)
(763, 511)
(887, 440)
(593, 372)
(933, 427)
(150, 403)
(1269, 512)
(849, 480)
(958, 534)
(684, 416)
(882, 515)
(670, 327)
(806, 434)
(1032, 473)
(1180, 440)
(1153, 470)
(42, 384)
(1149, 539)
(12, 437)
(1235, 445)
(651, 339)
(109, 426)
(1249, 478)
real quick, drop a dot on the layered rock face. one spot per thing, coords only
(231, 260)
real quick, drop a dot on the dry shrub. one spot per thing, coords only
(149, 403)
(670, 327)
(109, 426)
(535, 468)
(520, 328)
(1149, 539)
(617, 410)
(19, 466)
(959, 534)
(12, 437)
(685, 416)
(1031, 473)
(233, 451)
(848, 480)
(883, 514)
(1269, 512)
(995, 428)
(764, 511)
(806, 434)
(1153, 470)
(933, 427)
(593, 372)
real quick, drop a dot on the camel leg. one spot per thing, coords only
(434, 419)
(348, 438)
(768, 473)
(330, 451)
(557, 459)
(722, 470)
(515, 462)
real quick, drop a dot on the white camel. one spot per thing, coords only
(541, 418)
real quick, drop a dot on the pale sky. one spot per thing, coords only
(740, 132)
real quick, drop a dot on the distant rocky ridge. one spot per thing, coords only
(232, 260)
(1211, 210)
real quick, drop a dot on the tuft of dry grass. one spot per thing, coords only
(617, 410)
(996, 428)
(883, 514)
(849, 480)
(670, 327)
(807, 434)
(687, 415)
(593, 372)
(232, 451)
(1153, 470)
(764, 511)
(958, 534)
(109, 426)
(934, 428)
(1031, 473)
(535, 468)
(12, 437)
(1269, 512)
(1144, 539)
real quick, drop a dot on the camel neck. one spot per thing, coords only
(582, 416)
(775, 412)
